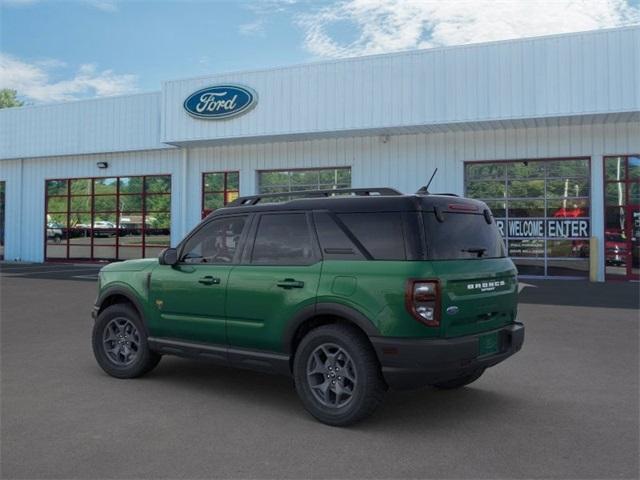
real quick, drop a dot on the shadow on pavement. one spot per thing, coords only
(581, 293)
(400, 411)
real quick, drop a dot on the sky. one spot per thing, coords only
(57, 50)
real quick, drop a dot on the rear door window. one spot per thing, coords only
(381, 234)
(283, 239)
(462, 236)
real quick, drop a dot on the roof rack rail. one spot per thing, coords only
(360, 192)
(446, 194)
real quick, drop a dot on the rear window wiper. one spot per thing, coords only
(478, 251)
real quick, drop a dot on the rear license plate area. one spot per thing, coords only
(488, 344)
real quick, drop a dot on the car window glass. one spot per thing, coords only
(380, 233)
(217, 242)
(462, 236)
(334, 242)
(283, 239)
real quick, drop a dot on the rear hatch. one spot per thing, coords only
(478, 283)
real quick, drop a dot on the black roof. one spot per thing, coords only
(388, 202)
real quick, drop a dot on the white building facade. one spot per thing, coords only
(545, 130)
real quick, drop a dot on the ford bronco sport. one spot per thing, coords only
(350, 292)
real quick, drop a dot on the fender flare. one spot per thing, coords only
(128, 294)
(333, 309)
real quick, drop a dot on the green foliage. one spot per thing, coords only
(8, 98)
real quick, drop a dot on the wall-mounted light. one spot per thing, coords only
(102, 165)
(384, 138)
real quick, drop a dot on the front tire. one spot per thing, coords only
(120, 343)
(337, 375)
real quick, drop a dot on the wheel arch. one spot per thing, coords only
(324, 314)
(120, 295)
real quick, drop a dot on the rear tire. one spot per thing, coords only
(337, 375)
(460, 381)
(120, 345)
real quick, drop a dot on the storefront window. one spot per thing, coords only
(115, 218)
(218, 189)
(542, 209)
(277, 181)
(622, 216)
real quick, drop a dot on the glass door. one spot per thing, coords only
(622, 217)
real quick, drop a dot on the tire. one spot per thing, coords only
(130, 356)
(460, 381)
(317, 362)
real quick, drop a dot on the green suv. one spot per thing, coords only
(350, 292)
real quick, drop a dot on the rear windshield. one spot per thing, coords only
(462, 236)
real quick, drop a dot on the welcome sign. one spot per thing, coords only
(220, 102)
(540, 227)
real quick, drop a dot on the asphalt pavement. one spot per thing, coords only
(566, 406)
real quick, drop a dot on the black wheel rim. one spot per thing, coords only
(331, 375)
(121, 341)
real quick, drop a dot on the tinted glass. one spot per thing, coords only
(56, 187)
(161, 184)
(105, 186)
(215, 243)
(615, 168)
(634, 168)
(545, 200)
(462, 236)
(108, 211)
(214, 182)
(380, 233)
(276, 181)
(283, 240)
(334, 242)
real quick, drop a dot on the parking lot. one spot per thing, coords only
(566, 406)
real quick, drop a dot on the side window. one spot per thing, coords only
(334, 242)
(380, 233)
(216, 242)
(283, 239)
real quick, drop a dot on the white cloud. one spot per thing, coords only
(390, 25)
(252, 28)
(33, 81)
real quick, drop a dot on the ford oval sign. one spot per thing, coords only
(220, 101)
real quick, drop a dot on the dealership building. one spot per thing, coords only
(545, 130)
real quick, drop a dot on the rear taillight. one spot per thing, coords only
(422, 299)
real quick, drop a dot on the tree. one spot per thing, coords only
(8, 98)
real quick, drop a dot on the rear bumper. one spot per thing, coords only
(408, 363)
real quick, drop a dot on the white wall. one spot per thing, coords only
(115, 124)
(25, 206)
(563, 75)
(404, 162)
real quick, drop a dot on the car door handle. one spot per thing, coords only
(209, 280)
(290, 283)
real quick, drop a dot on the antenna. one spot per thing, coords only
(425, 190)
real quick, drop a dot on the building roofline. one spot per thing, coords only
(80, 100)
(401, 53)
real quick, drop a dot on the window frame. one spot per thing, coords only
(91, 212)
(225, 191)
(247, 254)
(505, 178)
(302, 169)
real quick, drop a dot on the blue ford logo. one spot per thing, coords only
(220, 101)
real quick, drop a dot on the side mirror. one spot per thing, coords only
(169, 256)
